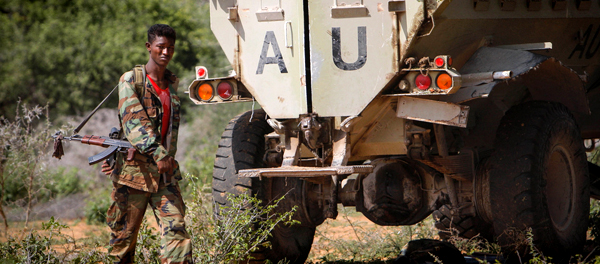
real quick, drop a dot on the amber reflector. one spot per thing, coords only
(444, 81)
(205, 92)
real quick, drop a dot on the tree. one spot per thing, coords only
(70, 53)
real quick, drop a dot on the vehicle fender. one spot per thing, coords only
(545, 78)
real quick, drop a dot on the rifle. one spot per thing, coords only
(111, 143)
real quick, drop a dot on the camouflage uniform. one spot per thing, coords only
(137, 183)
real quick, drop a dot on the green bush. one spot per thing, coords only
(64, 182)
(96, 207)
(58, 183)
(240, 229)
(40, 248)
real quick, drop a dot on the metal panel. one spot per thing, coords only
(351, 58)
(255, 44)
(433, 111)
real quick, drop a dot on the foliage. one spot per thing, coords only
(594, 156)
(205, 125)
(36, 247)
(22, 145)
(148, 247)
(97, 206)
(58, 182)
(240, 229)
(70, 53)
(594, 222)
(236, 231)
(365, 243)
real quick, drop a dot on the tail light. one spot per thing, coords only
(435, 77)
(443, 61)
(225, 90)
(201, 72)
(423, 82)
(205, 92)
(444, 81)
(439, 62)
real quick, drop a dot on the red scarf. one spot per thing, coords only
(165, 99)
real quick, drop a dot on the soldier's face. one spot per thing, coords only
(161, 50)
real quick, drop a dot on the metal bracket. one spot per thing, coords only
(233, 14)
(397, 6)
(508, 5)
(349, 11)
(559, 4)
(341, 148)
(292, 150)
(584, 4)
(534, 5)
(481, 5)
(270, 15)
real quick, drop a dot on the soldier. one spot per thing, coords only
(149, 116)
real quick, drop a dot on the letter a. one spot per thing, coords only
(270, 40)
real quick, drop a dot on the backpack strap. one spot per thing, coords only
(139, 80)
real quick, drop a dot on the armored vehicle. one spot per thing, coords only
(475, 111)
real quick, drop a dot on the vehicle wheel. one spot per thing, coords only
(242, 146)
(464, 226)
(539, 179)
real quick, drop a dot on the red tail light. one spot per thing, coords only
(439, 62)
(201, 72)
(423, 82)
(224, 90)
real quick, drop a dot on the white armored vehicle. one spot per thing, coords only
(475, 111)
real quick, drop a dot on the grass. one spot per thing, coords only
(354, 239)
(350, 238)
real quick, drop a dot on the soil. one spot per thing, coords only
(347, 227)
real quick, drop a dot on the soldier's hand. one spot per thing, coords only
(106, 169)
(167, 164)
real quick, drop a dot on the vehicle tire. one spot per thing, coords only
(539, 179)
(242, 146)
(465, 226)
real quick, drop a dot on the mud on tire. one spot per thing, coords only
(539, 179)
(242, 146)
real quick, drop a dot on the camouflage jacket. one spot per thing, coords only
(141, 123)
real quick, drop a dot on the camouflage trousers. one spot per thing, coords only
(126, 214)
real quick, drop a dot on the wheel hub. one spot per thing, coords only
(560, 185)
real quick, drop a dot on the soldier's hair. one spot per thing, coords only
(161, 30)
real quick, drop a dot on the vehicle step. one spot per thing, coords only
(305, 172)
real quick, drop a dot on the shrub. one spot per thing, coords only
(96, 208)
(239, 229)
(36, 247)
(23, 142)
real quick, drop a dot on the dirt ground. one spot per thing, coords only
(347, 227)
